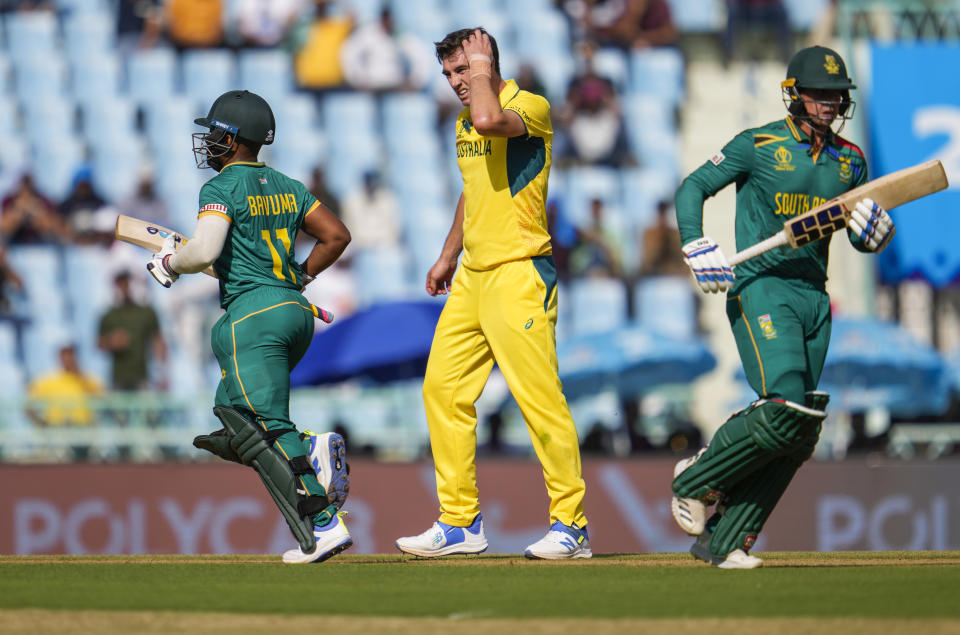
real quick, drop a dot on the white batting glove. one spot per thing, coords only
(872, 224)
(159, 266)
(708, 265)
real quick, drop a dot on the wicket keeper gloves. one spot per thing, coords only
(159, 265)
(709, 265)
(872, 224)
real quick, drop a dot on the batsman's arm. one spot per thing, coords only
(199, 252)
(332, 238)
(733, 163)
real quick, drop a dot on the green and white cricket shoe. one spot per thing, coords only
(446, 540)
(328, 456)
(690, 513)
(561, 542)
(332, 538)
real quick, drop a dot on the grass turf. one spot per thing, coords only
(894, 585)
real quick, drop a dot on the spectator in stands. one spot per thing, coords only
(591, 119)
(194, 23)
(376, 57)
(130, 334)
(144, 202)
(10, 283)
(660, 250)
(528, 80)
(80, 208)
(597, 253)
(62, 397)
(373, 215)
(767, 14)
(139, 24)
(624, 24)
(318, 187)
(266, 23)
(317, 62)
(28, 217)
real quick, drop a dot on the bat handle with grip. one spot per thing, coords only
(777, 240)
(323, 314)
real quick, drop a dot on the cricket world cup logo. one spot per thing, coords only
(784, 158)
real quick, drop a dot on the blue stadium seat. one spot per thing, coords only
(40, 78)
(152, 75)
(652, 132)
(108, 118)
(348, 114)
(169, 123)
(295, 113)
(12, 381)
(382, 274)
(428, 19)
(207, 74)
(89, 288)
(95, 77)
(586, 183)
(268, 73)
(643, 189)
(10, 125)
(409, 111)
(597, 305)
(31, 34)
(545, 34)
(666, 304)
(117, 160)
(659, 72)
(41, 270)
(6, 72)
(698, 16)
(72, 7)
(59, 165)
(613, 64)
(297, 152)
(804, 14)
(88, 32)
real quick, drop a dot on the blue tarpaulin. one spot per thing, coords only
(383, 343)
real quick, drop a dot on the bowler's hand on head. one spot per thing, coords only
(478, 44)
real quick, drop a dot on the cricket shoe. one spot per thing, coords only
(328, 456)
(690, 513)
(445, 540)
(332, 538)
(736, 559)
(561, 542)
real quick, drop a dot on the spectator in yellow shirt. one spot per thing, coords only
(62, 397)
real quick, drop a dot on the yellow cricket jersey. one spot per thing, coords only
(505, 184)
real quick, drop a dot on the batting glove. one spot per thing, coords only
(159, 266)
(708, 264)
(872, 224)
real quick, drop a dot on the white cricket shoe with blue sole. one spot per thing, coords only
(332, 538)
(328, 456)
(446, 540)
(560, 543)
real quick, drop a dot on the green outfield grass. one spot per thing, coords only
(846, 585)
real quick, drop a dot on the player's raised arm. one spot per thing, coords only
(484, 84)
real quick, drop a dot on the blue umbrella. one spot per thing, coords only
(631, 359)
(874, 363)
(384, 342)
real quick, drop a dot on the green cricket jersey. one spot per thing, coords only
(778, 176)
(265, 209)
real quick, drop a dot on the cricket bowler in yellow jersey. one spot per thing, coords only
(502, 308)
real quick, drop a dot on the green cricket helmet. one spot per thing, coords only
(817, 68)
(239, 113)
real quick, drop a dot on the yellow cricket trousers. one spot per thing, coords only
(507, 314)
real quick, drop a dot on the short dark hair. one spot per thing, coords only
(454, 41)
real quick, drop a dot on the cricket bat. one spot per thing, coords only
(149, 236)
(888, 191)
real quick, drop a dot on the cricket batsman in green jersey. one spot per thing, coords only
(247, 225)
(777, 304)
